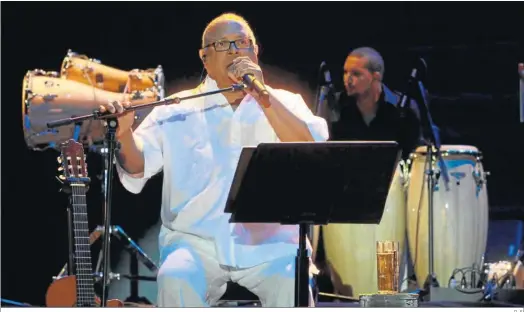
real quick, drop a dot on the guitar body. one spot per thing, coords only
(62, 293)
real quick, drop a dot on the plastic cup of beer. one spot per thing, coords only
(387, 267)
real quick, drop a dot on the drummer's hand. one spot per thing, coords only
(125, 121)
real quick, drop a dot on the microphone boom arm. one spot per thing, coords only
(168, 101)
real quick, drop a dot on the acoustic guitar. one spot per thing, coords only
(76, 290)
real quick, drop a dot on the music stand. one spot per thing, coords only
(312, 184)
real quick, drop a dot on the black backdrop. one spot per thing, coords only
(472, 50)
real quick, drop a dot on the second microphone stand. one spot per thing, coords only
(111, 143)
(433, 152)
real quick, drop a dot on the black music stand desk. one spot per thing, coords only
(312, 183)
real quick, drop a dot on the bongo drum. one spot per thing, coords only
(350, 249)
(46, 97)
(460, 213)
(92, 72)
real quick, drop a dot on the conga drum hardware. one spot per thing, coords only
(68, 63)
(480, 176)
(80, 68)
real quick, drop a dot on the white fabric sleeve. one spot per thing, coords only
(148, 138)
(317, 125)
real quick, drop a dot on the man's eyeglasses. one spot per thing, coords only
(225, 45)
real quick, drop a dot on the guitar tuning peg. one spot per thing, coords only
(60, 168)
(61, 177)
(59, 159)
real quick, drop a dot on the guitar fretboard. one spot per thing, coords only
(84, 270)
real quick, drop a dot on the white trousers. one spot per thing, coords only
(190, 276)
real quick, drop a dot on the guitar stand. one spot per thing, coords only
(136, 254)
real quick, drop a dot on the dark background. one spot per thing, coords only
(472, 51)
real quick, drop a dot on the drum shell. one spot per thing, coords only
(460, 214)
(46, 98)
(350, 249)
(89, 71)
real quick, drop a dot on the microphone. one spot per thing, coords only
(324, 89)
(327, 74)
(405, 97)
(521, 75)
(251, 82)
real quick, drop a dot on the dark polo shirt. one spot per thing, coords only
(387, 125)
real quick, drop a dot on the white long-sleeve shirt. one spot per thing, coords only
(197, 144)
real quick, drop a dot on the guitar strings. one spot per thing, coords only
(84, 274)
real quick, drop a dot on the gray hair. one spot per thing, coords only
(375, 60)
(229, 17)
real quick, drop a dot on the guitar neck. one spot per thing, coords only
(84, 271)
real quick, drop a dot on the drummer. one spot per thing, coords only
(367, 110)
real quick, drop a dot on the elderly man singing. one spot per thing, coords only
(197, 144)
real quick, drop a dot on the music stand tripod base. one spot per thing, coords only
(312, 183)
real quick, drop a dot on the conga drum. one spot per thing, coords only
(92, 72)
(350, 249)
(46, 97)
(460, 213)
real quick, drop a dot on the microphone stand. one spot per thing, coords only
(433, 151)
(110, 138)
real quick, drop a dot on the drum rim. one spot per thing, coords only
(453, 150)
(26, 107)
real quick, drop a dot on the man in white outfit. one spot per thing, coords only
(197, 144)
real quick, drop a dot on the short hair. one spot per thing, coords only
(229, 17)
(375, 61)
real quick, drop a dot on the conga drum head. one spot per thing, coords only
(28, 95)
